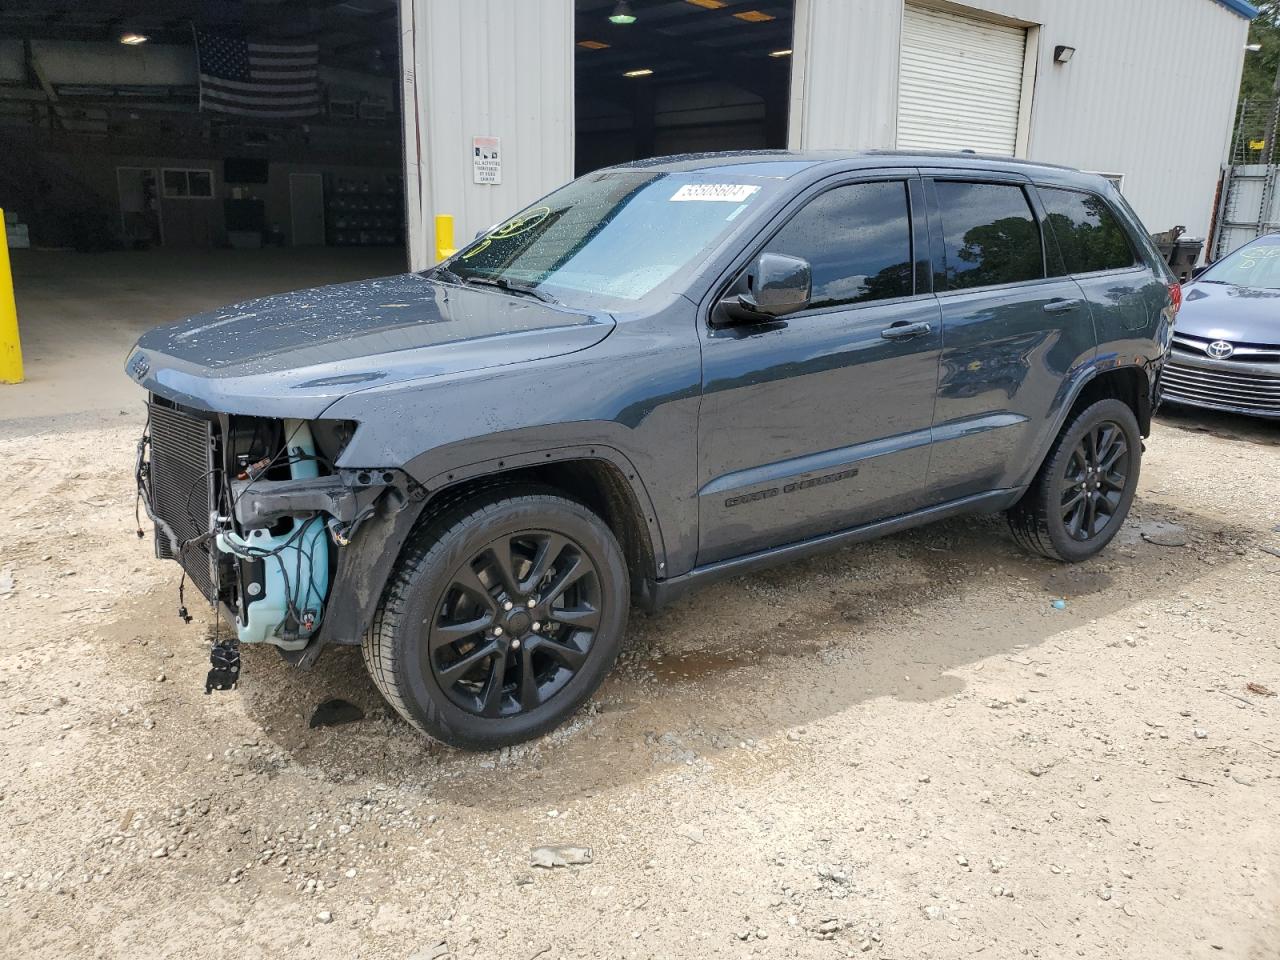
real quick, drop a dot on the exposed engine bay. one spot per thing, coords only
(255, 512)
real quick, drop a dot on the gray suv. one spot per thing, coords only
(661, 374)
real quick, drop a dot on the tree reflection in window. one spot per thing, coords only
(991, 236)
(857, 240)
(1088, 234)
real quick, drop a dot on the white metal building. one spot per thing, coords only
(1141, 90)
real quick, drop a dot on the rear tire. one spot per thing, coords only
(502, 616)
(1083, 490)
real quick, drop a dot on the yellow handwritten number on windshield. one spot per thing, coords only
(512, 228)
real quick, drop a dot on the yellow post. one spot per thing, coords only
(444, 237)
(10, 346)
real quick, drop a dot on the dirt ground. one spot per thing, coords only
(902, 750)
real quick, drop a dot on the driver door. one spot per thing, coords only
(820, 421)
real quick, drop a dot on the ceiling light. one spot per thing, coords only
(710, 4)
(755, 16)
(593, 45)
(133, 39)
(622, 13)
(1063, 54)
(780, 53)
(644, 72)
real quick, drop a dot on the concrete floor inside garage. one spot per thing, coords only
(79, 313)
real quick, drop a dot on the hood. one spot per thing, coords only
(1221, 311)
(293, 354)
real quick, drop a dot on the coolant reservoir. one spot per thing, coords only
(285, 572)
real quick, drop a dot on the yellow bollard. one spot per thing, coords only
(10, 345)
(444, 237)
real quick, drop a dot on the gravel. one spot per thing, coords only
(973, 772)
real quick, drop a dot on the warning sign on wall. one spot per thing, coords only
(486, 160)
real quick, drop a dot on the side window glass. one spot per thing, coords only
(990, 234)
(857, 239)
(1087, 232)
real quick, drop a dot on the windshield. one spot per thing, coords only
(609, 236)
(1257, 265)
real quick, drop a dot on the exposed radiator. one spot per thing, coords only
(181, 480)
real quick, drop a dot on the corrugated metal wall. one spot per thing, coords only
(501, 68)
(844, 74)
(1150, 93)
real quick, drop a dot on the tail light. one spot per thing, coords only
(1175, 297)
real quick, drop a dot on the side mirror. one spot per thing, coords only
(776, 285)
(1199, 270)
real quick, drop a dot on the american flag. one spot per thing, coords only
(252, 79)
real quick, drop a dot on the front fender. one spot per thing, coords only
(366, 563)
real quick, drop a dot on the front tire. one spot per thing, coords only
(1083, 491)
(503, 615)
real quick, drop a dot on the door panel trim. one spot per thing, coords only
(967, 426)
(796, 468)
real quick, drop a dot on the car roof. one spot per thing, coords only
(783, 164)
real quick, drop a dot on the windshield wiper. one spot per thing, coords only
(502, 283)
(444, 273)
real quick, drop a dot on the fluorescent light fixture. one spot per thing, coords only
(643, 72)
(622, 13)
(755, 16)
(780, 53)
(593, 45)
(1253, 47)
(1063, 54)
(133, 39)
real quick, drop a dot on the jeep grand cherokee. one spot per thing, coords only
(662, 373)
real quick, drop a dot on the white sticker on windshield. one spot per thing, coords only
(723, 192)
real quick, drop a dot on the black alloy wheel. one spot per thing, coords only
(1096, 477)
(515, 624)
(1081, 494)
(504, 613)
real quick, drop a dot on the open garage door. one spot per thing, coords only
(659, 77)
(960, 83)
(164, 159)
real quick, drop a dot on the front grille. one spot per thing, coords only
(181, 482)
(1224, 387)
(1241, 352)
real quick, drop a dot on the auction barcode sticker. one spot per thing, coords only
(725, 192)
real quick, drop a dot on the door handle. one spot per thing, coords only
(1061, 306)
(902, 330)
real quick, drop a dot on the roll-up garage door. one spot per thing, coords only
(959, 83)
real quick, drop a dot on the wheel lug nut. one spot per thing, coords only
(508, 605)
(497, 631)
(531, 603)
(536, 626)
(515, 644)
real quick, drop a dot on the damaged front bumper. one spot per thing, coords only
(259, 517)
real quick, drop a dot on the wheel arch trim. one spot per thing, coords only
(1075, 387)
(365, 565)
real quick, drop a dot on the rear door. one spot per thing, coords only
(821, 420)
(1012, 333)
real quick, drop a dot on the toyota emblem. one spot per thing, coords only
(1219, 349)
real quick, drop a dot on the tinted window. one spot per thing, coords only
(857, 239)
(1087, 232)
(990, 234)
